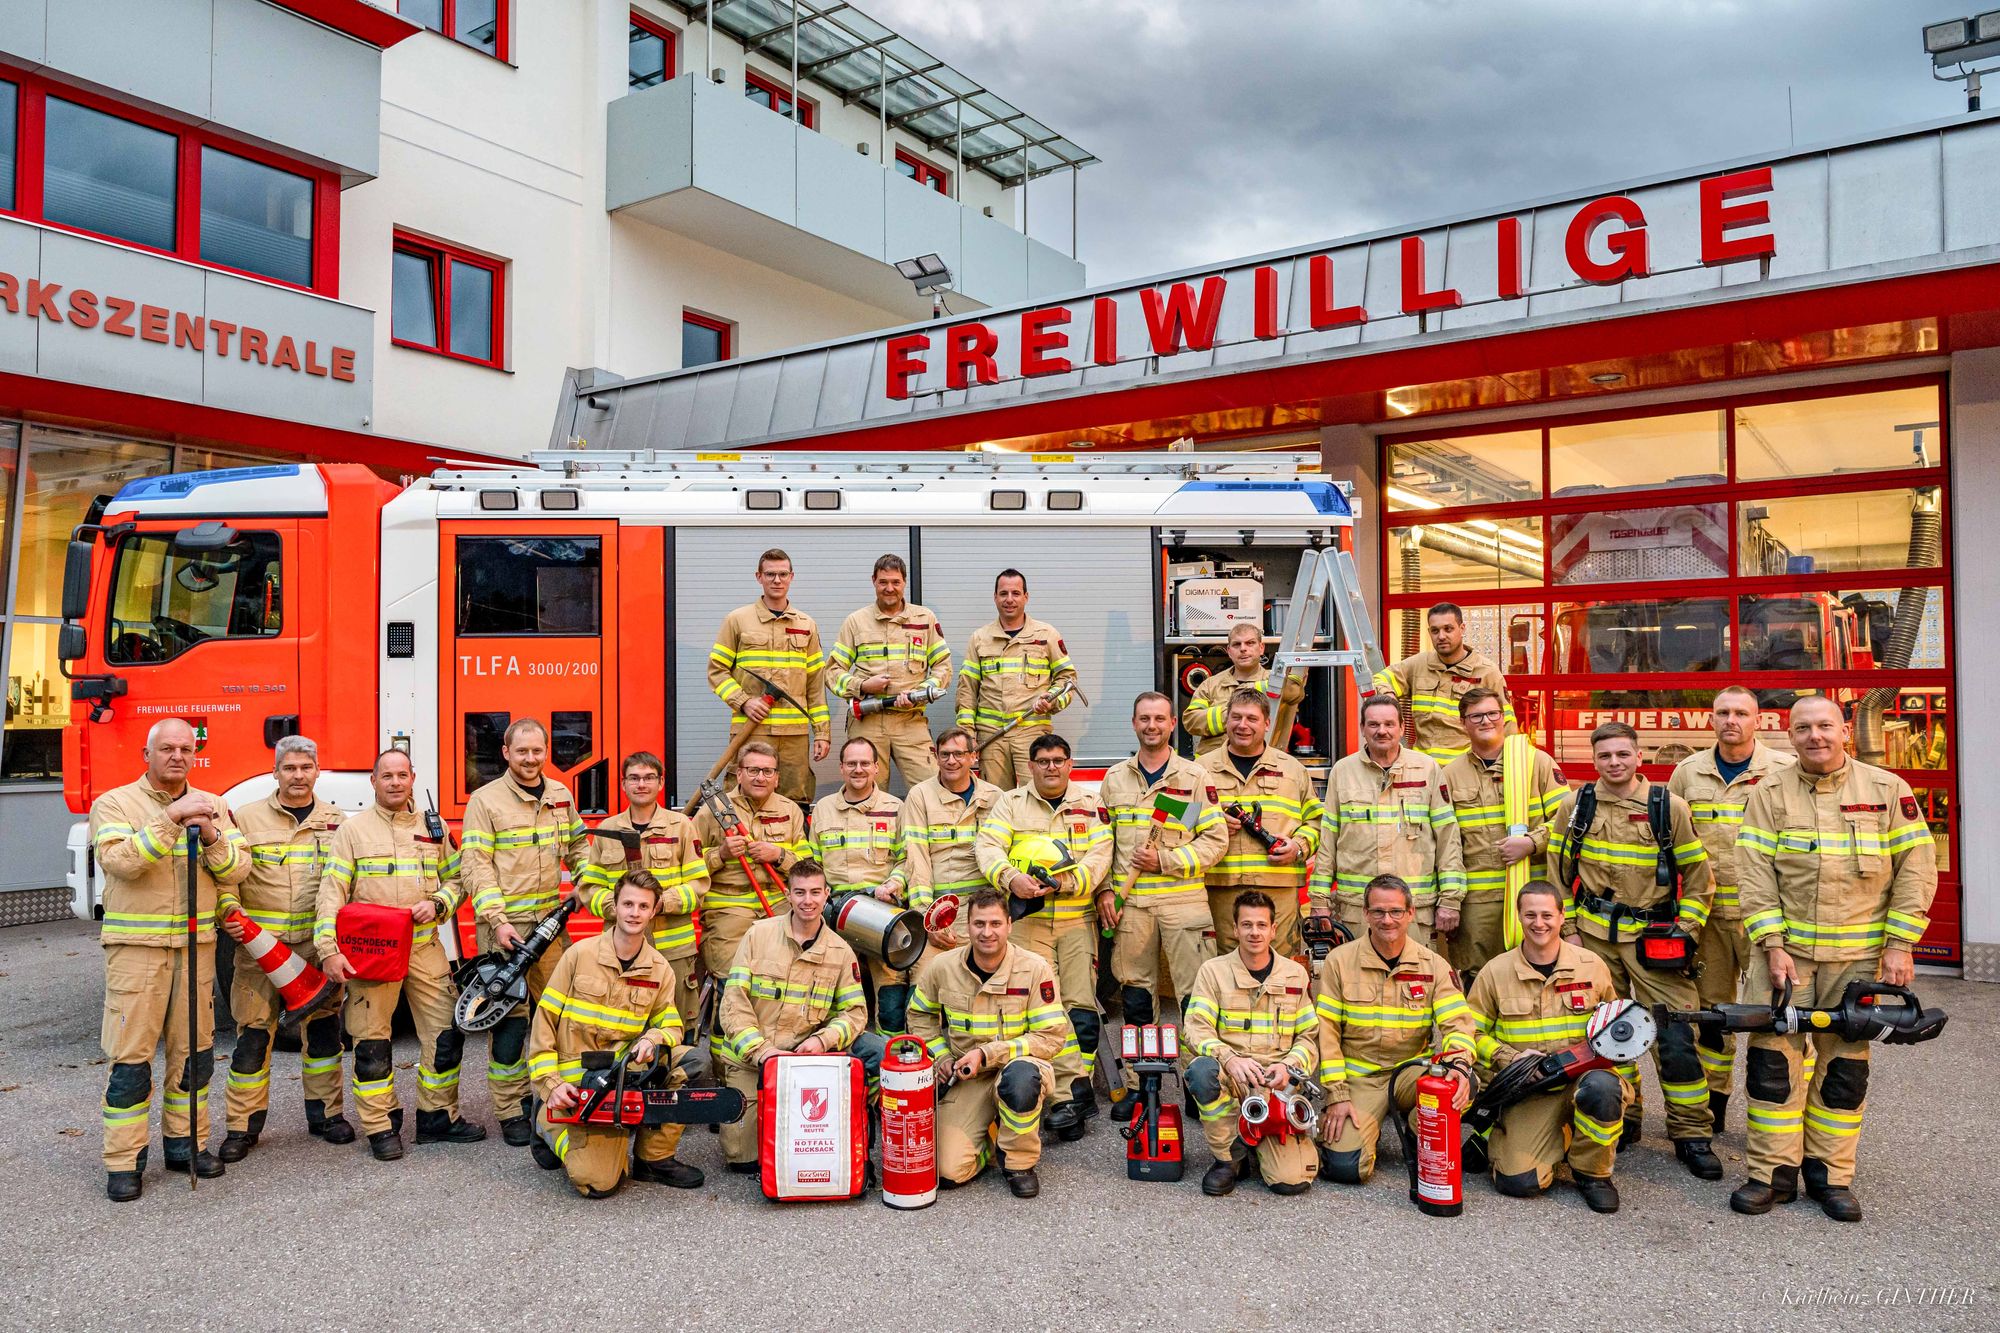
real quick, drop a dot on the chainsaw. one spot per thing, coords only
(492, 984)
(614, 1096)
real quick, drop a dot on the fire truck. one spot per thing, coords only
(584, 588)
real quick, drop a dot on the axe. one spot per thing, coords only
(769, 689)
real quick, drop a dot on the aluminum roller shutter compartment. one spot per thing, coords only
(1095, 585)
(715, 572)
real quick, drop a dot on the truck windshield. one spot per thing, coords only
(165, 601)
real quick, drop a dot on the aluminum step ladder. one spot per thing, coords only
(1324, 573)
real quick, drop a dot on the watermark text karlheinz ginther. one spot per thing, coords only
(1878, 1296)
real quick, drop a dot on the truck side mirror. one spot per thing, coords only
(69, 643)
(76, 580)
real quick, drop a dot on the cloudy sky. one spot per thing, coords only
(1230, 127)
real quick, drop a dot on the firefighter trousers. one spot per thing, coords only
(795, 775)
(1292, 1160)
(1578, 1123)
(1071, 949)
(904, 738)
(371, 1010)
(256, 1004)
(722, 930)
(889, 1009)
(1005, 762)
(1791, 1116)
(1178, 925)
(1001, 1109)
(1350, 1154)
(662, 1141)
(1723, 956)
(1285, 938)
(145, 1001)
(593, 1159)
(507, 1061)
(1477, 940)
(1681, 1083)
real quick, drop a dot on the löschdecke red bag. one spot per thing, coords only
(375, 940)
(813, 1127)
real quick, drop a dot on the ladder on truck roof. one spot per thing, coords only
(1323, 573)
(708, 466)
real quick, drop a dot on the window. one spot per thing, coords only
(256, 218)
(165, 601)
(82, 163)
(519, 586)
(651, 51)
(765, 92)
(446, 300)
(109, 176)
(922, 172)
(703, 339)
(482, 25)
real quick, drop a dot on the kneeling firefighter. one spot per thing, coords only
(616, 990)
(989, 1016)
(1531, 1000)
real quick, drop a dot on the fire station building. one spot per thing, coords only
(378, 232)
(1720, 425)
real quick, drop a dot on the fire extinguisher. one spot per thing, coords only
(1432, 1146)
(909, 1125)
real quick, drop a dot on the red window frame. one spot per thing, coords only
(1544, 684)
(923, 173)
(722, 327)
(443, 254)
(30, 161)
(503, 29)
(672, 39)
(780, 98)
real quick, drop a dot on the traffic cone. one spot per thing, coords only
(304, 988)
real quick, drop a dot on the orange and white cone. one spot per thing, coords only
(304, 988)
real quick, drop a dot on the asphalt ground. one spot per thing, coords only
(304, 1236)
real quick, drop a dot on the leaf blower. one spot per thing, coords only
(496, 982)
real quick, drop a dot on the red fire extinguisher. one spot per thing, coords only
(909, 1125)
(1437, 1181)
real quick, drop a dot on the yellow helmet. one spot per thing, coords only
(1031, 850)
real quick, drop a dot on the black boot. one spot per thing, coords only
(1598, 1192)
(1699, 1158)
(236, 1145)
(543, 1155)
(1220, 1180)
(516, 1131)
(1084, 1097)
(1718, 1108)
(386, 1146)
(439, 1127)
(1024, 1183)
(1066, 1120)
(1836, 1201)
(124, 1186)
(669, 1171)
(180, 1155)
(1754, 1197)
(334, 1129)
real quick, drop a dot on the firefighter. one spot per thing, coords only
(774, 639)
(1388, 813)
(1610, 872)
(1012, 668)
(1836, 868)
(384, 855)
(138, 833)
(1263, 781)
(614, 991)
(1431, 684)
(774, 838)
(794, 985)
(287, 834)
(521, 829)
(1715, 783)
(671, 853)
(1051, 816)
(884, 652)
(1525, 1003)
(1475, 784)
(990, 1017)
(1160, 855)
(857, 835)
(1250, 1023)
(1206, 715)
(1383, 999)
(941, 818)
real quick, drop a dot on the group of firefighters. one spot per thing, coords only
(1810, 868)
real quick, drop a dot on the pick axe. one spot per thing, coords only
(772, 694)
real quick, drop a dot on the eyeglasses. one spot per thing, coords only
(1388, 913)
(1484, 717)
(758, 772)
(954, 754)
(1049, 763)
